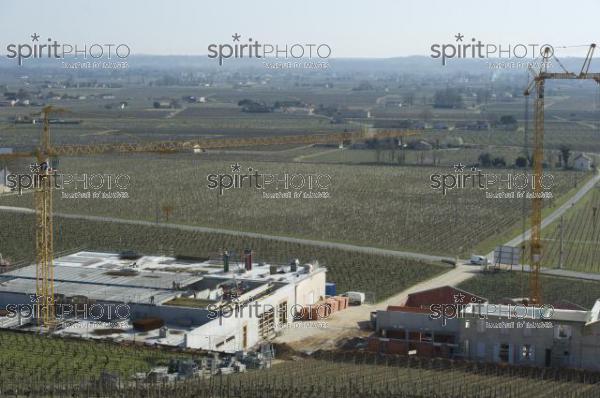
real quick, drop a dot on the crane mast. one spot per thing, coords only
(539, 84)
(45, 309)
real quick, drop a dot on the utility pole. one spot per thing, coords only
(562, 251)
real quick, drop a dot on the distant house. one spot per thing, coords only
(3, 174)
(582, 162)
(295, 110)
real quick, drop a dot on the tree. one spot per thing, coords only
(167, 209)
(508, 119)
(565, 152)
(485, 159)
(521, 161)
(448, 98)
(245, 102)
(499, 162)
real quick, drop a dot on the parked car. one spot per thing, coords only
(478, 260)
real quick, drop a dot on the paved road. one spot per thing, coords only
(561, 272)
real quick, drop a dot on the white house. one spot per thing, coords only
(582, 162)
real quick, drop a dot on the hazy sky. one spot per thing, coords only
(369, 28)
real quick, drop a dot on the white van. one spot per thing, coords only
(478, 260)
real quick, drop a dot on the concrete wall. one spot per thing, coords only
(581, 350)
(415, 321)
(310, 290)
(210, 335)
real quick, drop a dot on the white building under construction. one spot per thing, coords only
(214, 305)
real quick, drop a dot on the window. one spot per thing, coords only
(527, 352)
(503, 354)
(562, 332)
(282, 311)
(266, 323)
(426, 337)
(245, 337)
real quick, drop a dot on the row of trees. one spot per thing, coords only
(488, 160)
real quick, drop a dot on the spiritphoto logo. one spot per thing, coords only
(237, 310)
(76, 311)
(98, 54)
(251, 48)
(517, 185)
(273, 186)
(473, 48)
(80, 186)
(484, 311)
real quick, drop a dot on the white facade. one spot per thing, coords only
(582, 163)
(243, 330)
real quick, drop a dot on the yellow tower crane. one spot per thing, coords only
(539, 82)
(44, 286)
(45, 308)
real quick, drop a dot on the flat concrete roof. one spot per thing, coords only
(172, 266)
(503, 311)
(96, 292)
(108, 277)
